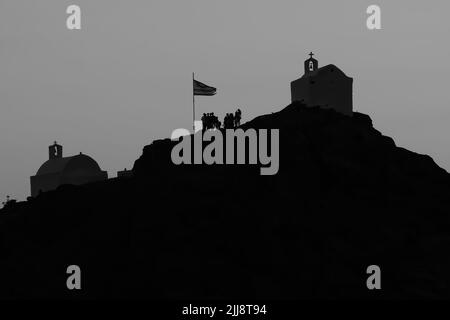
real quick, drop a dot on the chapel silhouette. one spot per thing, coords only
(327, 87)
(59, 170)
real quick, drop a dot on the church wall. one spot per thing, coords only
(80, 177)
(334, 91)
(43, 183)
(300, 90)
(52, 181)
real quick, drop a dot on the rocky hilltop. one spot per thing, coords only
(345, 197)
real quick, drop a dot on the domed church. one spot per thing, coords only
(327, 87)
(59, 170)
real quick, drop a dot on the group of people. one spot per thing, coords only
(232, 121)
(210, 121)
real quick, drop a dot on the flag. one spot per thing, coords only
(201, 89)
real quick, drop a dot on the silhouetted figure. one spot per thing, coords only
(216, 122)
(213, 121)
(210, 121)
(208, 124)
(204, 121)
(228, 121)
(237, 118)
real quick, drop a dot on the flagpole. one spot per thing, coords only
(193, 103)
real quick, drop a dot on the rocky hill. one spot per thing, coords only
(345, 197)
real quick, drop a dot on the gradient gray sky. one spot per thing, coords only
(125, 78)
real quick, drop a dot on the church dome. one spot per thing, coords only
(68, 164)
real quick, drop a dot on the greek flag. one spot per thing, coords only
(201, 89)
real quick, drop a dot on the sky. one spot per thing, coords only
(125, 78)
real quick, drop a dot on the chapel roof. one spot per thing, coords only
(325, 69)
(58, 165)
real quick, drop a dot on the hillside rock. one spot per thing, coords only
(345, 197)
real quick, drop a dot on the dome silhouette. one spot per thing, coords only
(59, 170)
(68, 164)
